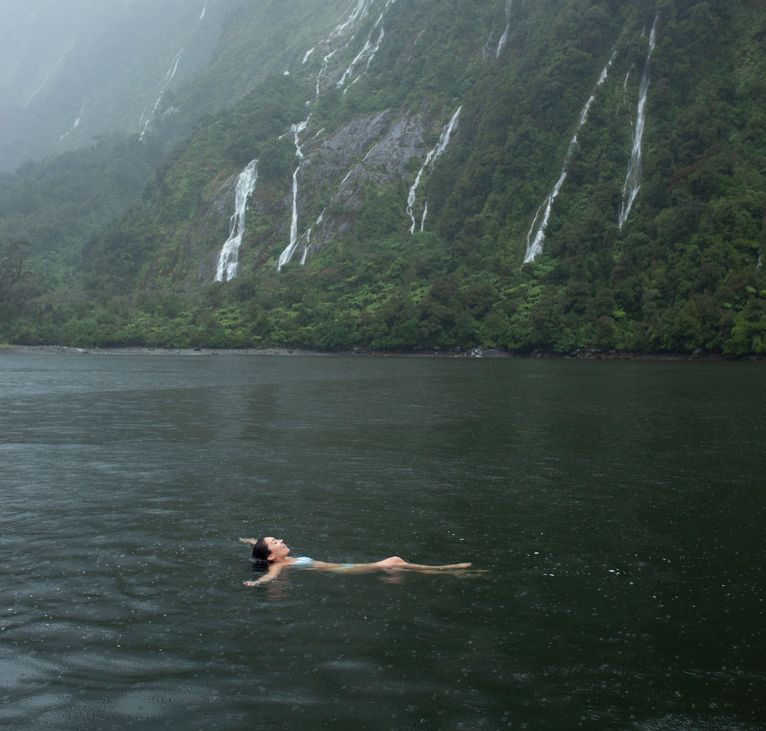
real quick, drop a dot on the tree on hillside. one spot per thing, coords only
(13, 254)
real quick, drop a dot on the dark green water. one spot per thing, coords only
(619, 508)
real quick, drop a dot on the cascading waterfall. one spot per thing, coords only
(504, 38)
(369, 50)
(350, 23)
(228, 259)
(322, 71)
(146, 120)
(76, 123)
(633, 176)
(48, 76)
(370, 56)
(287, 254)
(307, 237)
(536, 236)
(332, 44)
(359, 11)
(365, 51)
(307, 243)
(431, 158)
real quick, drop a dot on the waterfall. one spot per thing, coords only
(169, 76)
(504, 38)
(365, 49)
(307, 237)
(633, 176)
(49, 75)
(431, 158)
(423, 219)
(287, 254)
(228, 259)
(346, 177)
(322, 70)
(76, 122)
(536, 236)
(369, 50)
(358, 13)
(348, 23)
(625, 89)
(375, 48)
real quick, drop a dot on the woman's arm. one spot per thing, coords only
(271, 574)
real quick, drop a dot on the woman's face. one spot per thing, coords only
(277, 548)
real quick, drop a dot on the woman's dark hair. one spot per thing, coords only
(260, 555)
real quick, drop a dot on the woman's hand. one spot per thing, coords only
(270, 575)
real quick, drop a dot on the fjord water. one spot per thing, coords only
(617, 507)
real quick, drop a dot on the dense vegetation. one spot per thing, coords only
(684, 274)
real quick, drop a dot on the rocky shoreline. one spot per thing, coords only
(584, 354)
(131, 350)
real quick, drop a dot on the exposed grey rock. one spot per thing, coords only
(403, 141)
(221, 199)
(338, 151)
(374, 149)
(336, 169)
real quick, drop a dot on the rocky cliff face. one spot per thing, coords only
(340, 152)
(373, 150)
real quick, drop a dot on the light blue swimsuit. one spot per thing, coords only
(304, 561)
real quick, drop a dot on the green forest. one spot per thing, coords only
(116, 244)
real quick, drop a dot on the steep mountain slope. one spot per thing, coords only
(71, 72)
(524, 175)
(49, 208)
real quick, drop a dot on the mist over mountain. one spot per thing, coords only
(73, 71)
(390, 174)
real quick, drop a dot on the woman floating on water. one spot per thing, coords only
(273, 556)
